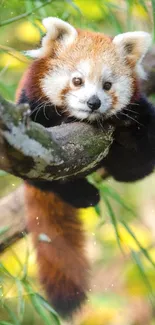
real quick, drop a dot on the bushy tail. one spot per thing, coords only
(59, 241)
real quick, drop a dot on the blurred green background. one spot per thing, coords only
(121, 230)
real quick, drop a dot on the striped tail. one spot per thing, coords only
(59, 241)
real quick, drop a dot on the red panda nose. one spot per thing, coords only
(94, 103)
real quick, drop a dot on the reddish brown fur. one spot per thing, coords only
(64, 92)
(62, 263)
(31, 79)
(114, 99)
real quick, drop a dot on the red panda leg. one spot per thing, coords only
(59, 241)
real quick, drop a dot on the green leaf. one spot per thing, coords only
(139, 264)
(113, 19)
(40, 308)
(48, 307)
(109, 191)
(4, 230)
(21, 301)
(5, 271)
(12, 315)
(114, 221)
(153, 13)
(143, 250)
(5, 323)
(74, 6)
(98, 210)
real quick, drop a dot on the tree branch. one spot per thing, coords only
(26, 14)
(28, 150)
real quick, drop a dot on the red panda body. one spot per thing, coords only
(77, 75)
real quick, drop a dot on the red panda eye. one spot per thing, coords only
(77, 81)
(107, 85)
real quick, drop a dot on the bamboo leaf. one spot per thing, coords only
(139, 264)
(143, 250)
(4, 230)
(109, 191)
(12, 315)
(38, 306)
(114, 221)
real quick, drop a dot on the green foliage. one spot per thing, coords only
(112, 17)
(16, 314)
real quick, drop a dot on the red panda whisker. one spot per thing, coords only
(80, 101)
(34, 110)
(39, 99)
(117, 116)
(44, 111)
(36, 114)
(99, 123)
(57, 111)
(135, 104)
(130, 110)
(73, 95)
(131, 118)
(38, 108)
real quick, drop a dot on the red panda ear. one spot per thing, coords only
(57, 30)
(133, 46)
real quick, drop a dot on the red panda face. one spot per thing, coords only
(90, 76)
(89, 90)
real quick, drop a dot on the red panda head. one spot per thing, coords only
(89, 74)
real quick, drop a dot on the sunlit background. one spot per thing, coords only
(121, 230)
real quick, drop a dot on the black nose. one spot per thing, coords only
(94, 103)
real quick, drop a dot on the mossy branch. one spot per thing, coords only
(30, 151)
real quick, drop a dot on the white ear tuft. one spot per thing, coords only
(57, 30)
(133, 43)
(56, 27)
(134, 46)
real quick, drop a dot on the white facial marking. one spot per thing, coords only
(78, 97)
(77, 100)
(92, 85)
(122, 88)
(53, 83)
(84, 67)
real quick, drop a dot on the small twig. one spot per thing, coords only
(9, 241)
(26, 14)
(16, 54)
(12, 216)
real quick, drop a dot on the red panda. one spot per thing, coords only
(80, 75)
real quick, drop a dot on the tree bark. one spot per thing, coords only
(30, 151)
